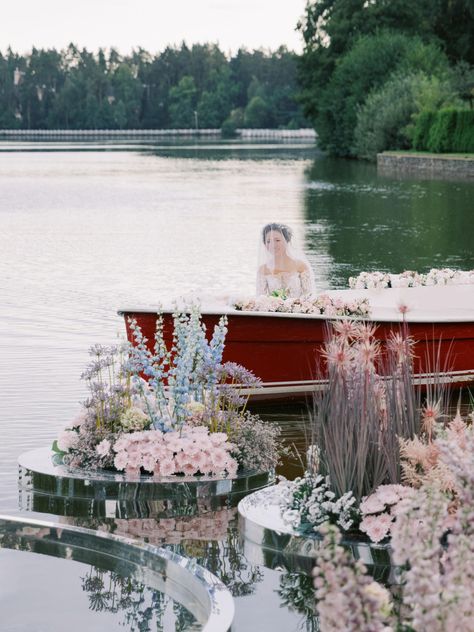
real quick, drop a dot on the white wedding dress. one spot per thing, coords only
(295, 284)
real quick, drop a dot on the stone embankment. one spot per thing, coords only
(443, 165)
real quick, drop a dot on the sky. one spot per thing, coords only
(151, 24)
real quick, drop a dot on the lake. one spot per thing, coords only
(87, 228)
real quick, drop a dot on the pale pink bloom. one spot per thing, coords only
(217, 438)
(122, 443)
(103, 448)
(167, 467)
(371, 504)
(232, 467)
(67, 440)
(219, 458)
(201, 461)
(170, 437)
(387, 496)
(79, 419)
(189, 469)
(149, 463)
(375, 528)
(121, 460)
(203, 464)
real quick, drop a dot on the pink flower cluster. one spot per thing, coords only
(193, 450)
(322, 304)
(378, 510)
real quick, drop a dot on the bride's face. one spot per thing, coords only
(275, 242)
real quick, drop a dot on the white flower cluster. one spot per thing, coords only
(307, 502)
(436, 276)
(322, 304)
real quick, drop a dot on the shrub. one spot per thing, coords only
(363, 69)
(421, 132)
(441, 133)
(463, 137)
(382, 120)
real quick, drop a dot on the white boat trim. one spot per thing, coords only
(308, 386)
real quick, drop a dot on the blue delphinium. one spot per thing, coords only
(188, 372)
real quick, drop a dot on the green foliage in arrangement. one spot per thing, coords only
(181, 87)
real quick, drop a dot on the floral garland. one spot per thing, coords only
(436, 276)
(322, 304)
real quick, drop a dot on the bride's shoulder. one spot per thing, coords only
(263, 269)
(301, 267)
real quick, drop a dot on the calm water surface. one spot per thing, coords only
(87, 228)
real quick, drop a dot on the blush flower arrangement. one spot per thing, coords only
(434, 549)
(364, 427)
(166, 412)
(409, 278)
(320, 305)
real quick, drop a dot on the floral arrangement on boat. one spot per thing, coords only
(322, 304)
(167, 412)
(374, 440)
(436, 276)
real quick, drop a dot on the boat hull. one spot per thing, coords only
(284, 351)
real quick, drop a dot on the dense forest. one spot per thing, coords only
(389, 74)
(181, 87)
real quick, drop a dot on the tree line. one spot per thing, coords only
(374, 72)
(180, 87)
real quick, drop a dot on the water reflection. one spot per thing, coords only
(366, 221)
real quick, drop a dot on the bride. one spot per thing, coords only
(283, 269)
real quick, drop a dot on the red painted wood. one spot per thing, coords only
(287, 349)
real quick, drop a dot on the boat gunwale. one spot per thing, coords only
(396, 318)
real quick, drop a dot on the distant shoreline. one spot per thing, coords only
(306, 133)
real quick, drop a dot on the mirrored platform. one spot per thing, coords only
(269, 541)
(97, 581)
(47, 486)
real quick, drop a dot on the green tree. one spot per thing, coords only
(363, 69)
(183, 102)
(257, 113)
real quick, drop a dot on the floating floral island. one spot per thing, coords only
(379, 449)
(162, 425)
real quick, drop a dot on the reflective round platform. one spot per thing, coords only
(124, 584)
(269, 541)
(48, 486)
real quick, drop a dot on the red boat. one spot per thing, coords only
(283, 349)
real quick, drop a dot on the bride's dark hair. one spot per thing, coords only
(281, 228)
